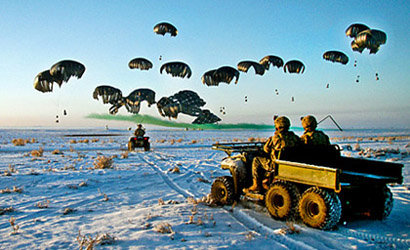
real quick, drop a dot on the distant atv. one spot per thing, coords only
(313, 183)
(139, 142)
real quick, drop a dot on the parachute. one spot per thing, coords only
(140, 63)
(140, 95)
(245, 65)
(365, 38)
(63, 70)
(222, 74)
(164, 27)
(206, 117)
(186, 102)
(226, 74)
(378, 36)
(357, 47)
(294, 66)
(132, 102)
(44, 81)
(369, 39)
(189, 97)
(336, 56)
(207, 78)
(58, 73)
(178, 69)
(355, 29)
(274, 60)
(110, 95)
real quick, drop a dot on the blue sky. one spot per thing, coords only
(106, 35)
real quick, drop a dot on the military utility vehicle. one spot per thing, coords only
(312, 183)
(139, 142)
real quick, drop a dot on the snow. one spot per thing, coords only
(152, 200)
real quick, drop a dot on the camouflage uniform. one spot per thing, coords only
(315, 137)
(272, 146)
(139, 132)
(311, 136)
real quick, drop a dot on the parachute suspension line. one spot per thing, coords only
(60, 103)
(329, 116)
(374, 66)
(331, 80)
(56, 106)
(362, 69)
(356, 66)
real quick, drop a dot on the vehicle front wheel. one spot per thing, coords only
(130, 146)
(223, 191)
(320, 208)
(282, 200)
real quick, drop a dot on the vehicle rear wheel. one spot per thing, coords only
(223, 191)
(382, 203)
(147, 147)
(320, 208)
(282, 200)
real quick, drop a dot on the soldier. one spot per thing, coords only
(311, 136)
(139, 132)
(282, 138)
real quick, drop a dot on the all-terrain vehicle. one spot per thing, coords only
(312, 183)
(139, 142)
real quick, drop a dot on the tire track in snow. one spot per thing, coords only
(166, 179)
(385, 242)
(188, 171)
(252, 224)
(393, 242)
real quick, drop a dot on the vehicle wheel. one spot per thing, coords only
(130, 146)
(382, 203)
(320, 208)
(147, 147)
(282, 200)
(222, 190)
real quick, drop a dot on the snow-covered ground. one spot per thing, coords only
(53, 196)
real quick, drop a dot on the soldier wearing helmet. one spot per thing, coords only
(139, 132)
(282, 138)
(311, 136)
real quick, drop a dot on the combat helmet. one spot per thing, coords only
(309, 121)
(282, 122)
